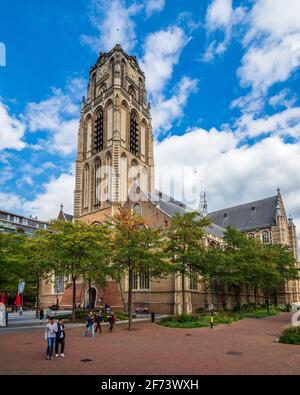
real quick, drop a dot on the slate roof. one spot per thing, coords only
(249, 216)
(69, 217)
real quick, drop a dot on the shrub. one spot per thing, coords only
(290, 335)
(200, 310)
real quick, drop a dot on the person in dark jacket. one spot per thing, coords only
(60, 338)
(98, 321)
(42, 314)
(111, 319)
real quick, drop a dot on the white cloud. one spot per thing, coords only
(152, 6)
(11, 202)
(221, 16)
(282, 99)
(285, 123)
(58, 190)
(113, 21)
(59, 115)
(11, 130)
(166, 111)
(272, 51)
(162, 50)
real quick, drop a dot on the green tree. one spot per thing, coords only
(136, 249)
(185, 247)
(73, 249)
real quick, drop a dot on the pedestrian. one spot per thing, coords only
(48, 313)
(60, 338)
(41, 314)
(89, 326)
(21, 310)
(111, 319)
(50, 335)
(98, 321)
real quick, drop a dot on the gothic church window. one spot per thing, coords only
(86, 188)
(131, 91)
(97, 182)
(137, 209)
(88, 137)
(110, 115)
(266, 237)
(134, 134)
(251, 235)
(98, 136)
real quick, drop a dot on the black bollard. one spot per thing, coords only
(152, 317)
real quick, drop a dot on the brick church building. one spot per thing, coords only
(115, 169)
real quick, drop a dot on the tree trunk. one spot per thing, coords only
(218, 295)
(90, 295)
(73, 297)
(129, 299)
(255, 296)
(37, 297)
(183, 293)
(268, 301)
(276, 297)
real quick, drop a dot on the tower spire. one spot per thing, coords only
(202, 202)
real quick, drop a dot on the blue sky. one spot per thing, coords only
(222, 77)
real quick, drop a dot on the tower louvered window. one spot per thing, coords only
(134, 135)
(98, 143)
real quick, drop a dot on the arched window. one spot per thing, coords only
(134, 173)
(108, 172)
(141, 91)
(143, 140)
(124, 178)
(88, 136)
(134, 134)
(123, 123)
(102, 90)
(131, 92)
(97, 182)
(137, 209)
(98, 135)
(266, 237)
(251, 236)
(110, 116)
(86, 188)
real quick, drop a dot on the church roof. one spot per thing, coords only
(69, 217)
(253, 215)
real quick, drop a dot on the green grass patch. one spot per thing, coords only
(220, 318)
(80, 316)
(290, 335)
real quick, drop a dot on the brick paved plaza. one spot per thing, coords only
(247, 347)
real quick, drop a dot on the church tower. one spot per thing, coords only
(115, 142)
